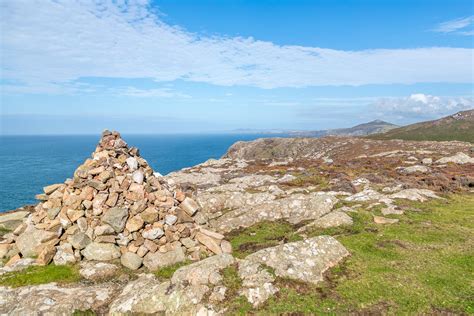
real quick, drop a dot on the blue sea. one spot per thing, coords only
(28, 163)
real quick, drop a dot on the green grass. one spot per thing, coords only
(39, 275)
(461, 131)
(422, 265)
(167, 272)
(3, 231)
(259, 236)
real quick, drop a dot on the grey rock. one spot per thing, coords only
(189, 206)
(29, 241)
(152, 233)
(459, 158)
(96, 271)
(131, 260)
(132, 163)
(52, 299)
(413, 169)
(154, 261)
(170, 219)
(302, 260)
(257, 282)
(79, 240)
(12, 220)
(101, 251)
(333, 219)
(64, 255)
(116, 217)
(137, 176)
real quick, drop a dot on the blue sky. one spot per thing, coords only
(211, 66)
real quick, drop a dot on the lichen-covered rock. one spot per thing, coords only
(52, 299)
(333, 219)
(302, 260)
(257, 282)
(458, 158)
(147, 295)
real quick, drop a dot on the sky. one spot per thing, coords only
(165, 66)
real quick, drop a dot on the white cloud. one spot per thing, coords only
(151, 93)
(56, 42)
(457, 26)
(421, 106)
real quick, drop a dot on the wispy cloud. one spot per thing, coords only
(60, 42)
(151, 93)
(421, 106)
(462, 26)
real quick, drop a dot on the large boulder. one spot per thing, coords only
(302, 260)
(101, 251)
(29, 243)
(155, 260)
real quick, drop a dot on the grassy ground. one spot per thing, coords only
(39, 275)
(424, 264)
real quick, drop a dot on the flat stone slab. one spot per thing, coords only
(305, 260)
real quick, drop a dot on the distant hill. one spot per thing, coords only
(459, 126)
(369, 128)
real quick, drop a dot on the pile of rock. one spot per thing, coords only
(115, 207)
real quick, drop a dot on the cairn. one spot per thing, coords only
(115, 207)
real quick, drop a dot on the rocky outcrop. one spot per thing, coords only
(52, 299)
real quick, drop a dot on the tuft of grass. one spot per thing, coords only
(310, 178)
(4, 231)
(262, 235)
(40, 274)
(167, 272)
(87, 312)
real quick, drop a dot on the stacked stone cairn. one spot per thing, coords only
(116, 207)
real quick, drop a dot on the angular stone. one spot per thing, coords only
(149, 215)
(189, 206)
(211, 234)
(51, 188)
(101, 252)
(46, 255)
(211, 243)
(156, 260)
(29, 241)
(53, 212)
(79, 240)
(116, 217)
(152, 233)
(105, 175)
(134, 223)
(137, 176)
(103, 230)
(74, 215)
(112, 200)
(132, 163)
(11, 220)
(131, 260)
(226, 246)
(170, 219)
(64, 255)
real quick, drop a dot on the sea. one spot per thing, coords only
(28, 163)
